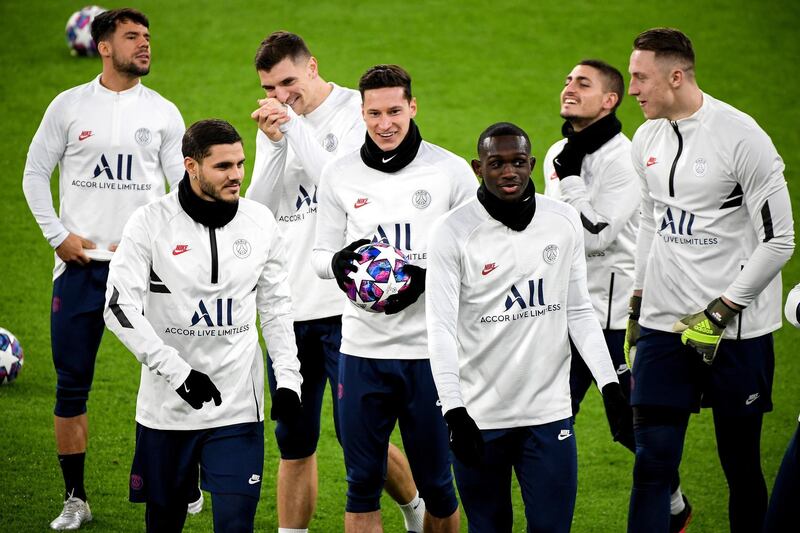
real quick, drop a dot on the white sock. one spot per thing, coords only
(414, 514)
(676, 504)
(290, 530)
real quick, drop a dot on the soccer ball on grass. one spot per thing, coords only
(10, 357)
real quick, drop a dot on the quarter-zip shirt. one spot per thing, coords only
(606, 196)
(184, 296)
(286, 178)
(359, 202)
(500, 305)
(716, 219)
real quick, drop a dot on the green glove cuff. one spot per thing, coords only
(720, 313)
(634, 307)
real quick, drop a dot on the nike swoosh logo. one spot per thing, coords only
(185, 387)
(361, 202)
(85, 135)
(254, 479)
(180, 249)
(622, 369)
(488, 268)
(555, 161)
(751, 399)
(386, 160)
(563, 436)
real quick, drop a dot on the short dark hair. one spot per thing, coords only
(104, 24)
(502, 129)
(614, 83)
(381, 76)
(277, 47)
(667, 42)
(203, 134)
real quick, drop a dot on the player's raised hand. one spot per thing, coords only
(342, 262)
(72, 249)
(619, 414)
(703, 330)
(270, 115)
(199, 389)
(466, 440)
(286, 406)
(416, 286)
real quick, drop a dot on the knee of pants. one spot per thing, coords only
(440, 501)
(364, 496)
(657, 455)
(70, 401)
(233, 513)
(298, 442)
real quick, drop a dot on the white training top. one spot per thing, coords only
(716, 219)
(182, 296)
(606, 195)
(113, 151)
(358, 202)
(500, 305)
(792, 308)
(285, 179)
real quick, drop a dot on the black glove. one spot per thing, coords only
(198, 389)
(286, 406)
(619, 414)
(466, 440)
(342, 262)
(416, 286)
(568, 162)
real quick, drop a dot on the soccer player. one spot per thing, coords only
(716, 229)
(114, 141)
(393, 188)
(303, 123)
(591, 170)
(506, 285)
(782, 512)
(184, 286)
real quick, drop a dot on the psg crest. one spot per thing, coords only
(421, 199)
(143, 136)
(330, 142)
(550, 254)
(241, 248)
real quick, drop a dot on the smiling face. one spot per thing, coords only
(129, 48)
(218, 176)
(585, 97)
(653, 83)
(290, 81)
(505, 166)
(388, 113)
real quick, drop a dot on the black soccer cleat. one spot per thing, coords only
(679, 523)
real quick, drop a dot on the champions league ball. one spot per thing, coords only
(79, 31)
(379, 275)
(10, 357)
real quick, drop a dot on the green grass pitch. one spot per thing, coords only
(473, 63)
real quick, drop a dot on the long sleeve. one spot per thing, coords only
(617, 201)
(647, 223)
(584, 328)
(266, 185)
(331, 227)
(171, 153)
(274, 303)
(759, 170)
(126, 292)
(443, 285)
(46, 150)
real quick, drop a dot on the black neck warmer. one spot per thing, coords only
(393, 160)
(594, 136)
(515, 215)
(210, 214)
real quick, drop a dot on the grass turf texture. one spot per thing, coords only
(473, 64)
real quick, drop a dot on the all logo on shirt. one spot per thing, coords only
(303, 198)
(214, 319)
(523, 300)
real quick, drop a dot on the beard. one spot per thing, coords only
(208, 189)
(129, 67)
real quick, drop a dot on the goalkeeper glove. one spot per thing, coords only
(198, 389)
(632, 330)
(342, 262)
(416, 286)
(703, 331)
(568, 162)
(466, 440)
(619, 414)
